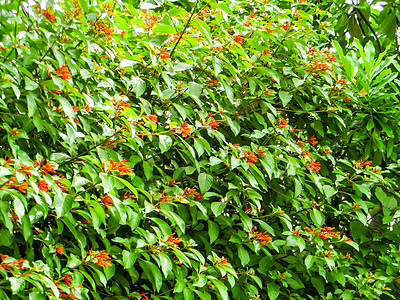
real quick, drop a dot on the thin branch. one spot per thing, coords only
(184, 29)
(359, 12)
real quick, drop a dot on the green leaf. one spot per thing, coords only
(167, 29)
(243, 255)
(285, 97)
(205, 182)
(213, 231)
(62, 205)
(317, 217)
(165, 142)
(319, 283)
(217, 208)
(128, 259)
(273, 290)
(152, 273)
(31, 100)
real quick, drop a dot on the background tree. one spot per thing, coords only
(188, 150)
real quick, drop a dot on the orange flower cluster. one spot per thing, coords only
(173, 241)
(314, 166)
(14, 132)
(324, 232)
(362, 163)
(164, 198)
(121, 166)
(102, 27)
(317, 67)
(20, 186)
(342, 81)
(285, 25)
(64, 294)
(10, 266)
(61, 185)
(77, 12)
(281, 123)
(210, 82)
(119, 106)
(250, 156)
(59, 249)
(213, 124)
(43, 186)
(25, 169)
(63, 72)
(261, 238)
(100, 258)
(238, 39)
(305, 153)
(192, 192)
(46, 168)
(67, 278)
(45, 12)
(150, 21)
(164, 54)
(184, 129)
(106, 201)
(7, 161)
(312, 141)
(222, 261)
(152, 118)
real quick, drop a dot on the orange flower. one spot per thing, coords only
(47, 168)
(238, 39)
(312, 141)
(328, 253)
(184, 129)
(164, 198)
(222, 261)
(250, 156)
(14, 132)
(20, 186)
(100, 258)
(121, 166)
(43, 186)
(172, 241)
(305, 153)
(213, 124)
(63, 294)
(119, 106)
(327, 151)
(101, 27)
(59, 249)
(281, 123)
(25, 169)
(362, 163)
(261, 238)
(106, 201)
(314, 166)
(9, 266)
(152, 118)
(164, 54)
(7, 161)
(285, 25)
(49, 16)
(63, 72)
(296, 232)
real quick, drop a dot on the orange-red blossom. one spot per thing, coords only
(261, 238)
(100, 258)
(121, 166)
(63, 72)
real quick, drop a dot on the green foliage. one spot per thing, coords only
(208, 150)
